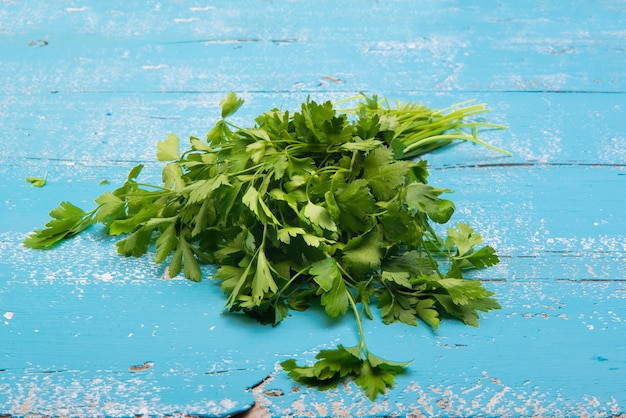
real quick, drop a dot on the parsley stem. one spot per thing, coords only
(291, 280)
(154, 186)
(431, 258)
(439, 138)
(345, 273)
(359, 322)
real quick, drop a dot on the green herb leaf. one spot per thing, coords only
(37, 181)
(463, 291)
(110, 207)
(320, 216)
(168, 149)
(136, 244)
(395, 306)
(263, 280)
(424, 198)
(67, 220)
(230, 104)
(373, 374)
(427, 312)
(332, 365)
(166, 243)
(363, 254)
(484, 257)
(463, 238)
(285, 234)
(333, 290)
(383, 173)
(355, 204)
(376, 379)
(191, 269)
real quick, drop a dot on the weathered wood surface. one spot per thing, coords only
(87, 89)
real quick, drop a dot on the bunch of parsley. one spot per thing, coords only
(318, 206)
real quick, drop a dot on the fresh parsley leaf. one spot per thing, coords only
(467, 313)
(230, 104)
(400, 278)
(463, 238)
(383, 174)
(363, 254)
(263, 280)
(327, 372)
(463, 291)
(172, 176)
(320, 216)
(110, 207)
(397, 307)
(333, 290)
(373, 374)
(285, 234)
(426, 310)
(375, 379)
(355, 204)
(167, 150)
(424, 198)
(191, 269)
(166, 243)
(37, 181)
(136, 244)
(484, 257)
(67, 220)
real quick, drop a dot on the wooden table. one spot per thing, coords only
(87, 89)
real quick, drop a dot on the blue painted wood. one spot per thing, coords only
(291, 46)
(87, 89)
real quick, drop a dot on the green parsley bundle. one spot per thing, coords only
(319, 206)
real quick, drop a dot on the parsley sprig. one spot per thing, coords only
(319, 206)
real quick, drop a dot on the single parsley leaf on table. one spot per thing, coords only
(38, 181)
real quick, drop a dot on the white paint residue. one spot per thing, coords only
(613, 150)
(8, 315)
(525, 147)
(433, 44)
(228, 403)
(450, 81)
(77, 9)
(202, 9)
(185, 19)
(154, 67)
(106, 277)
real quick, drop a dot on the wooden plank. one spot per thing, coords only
(117, 47)
(521, 361)
(116, 317)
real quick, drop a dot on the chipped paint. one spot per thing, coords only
(490, 395)
(145, 366)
